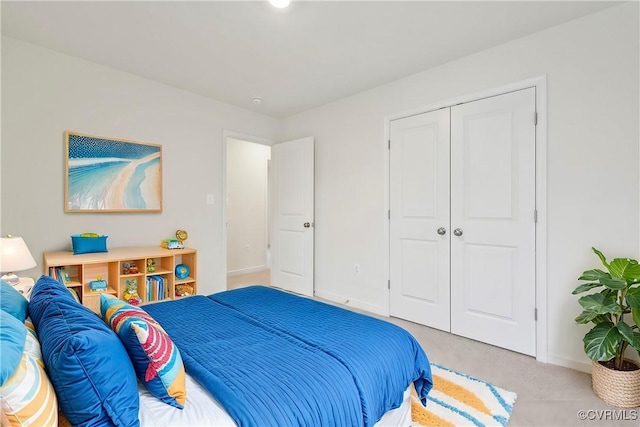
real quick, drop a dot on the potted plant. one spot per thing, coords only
(615, 310)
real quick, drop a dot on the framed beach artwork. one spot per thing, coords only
(111, 175)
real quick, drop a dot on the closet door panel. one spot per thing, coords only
(492, 206)
(419, 201)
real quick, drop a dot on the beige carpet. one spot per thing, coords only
(548, 395)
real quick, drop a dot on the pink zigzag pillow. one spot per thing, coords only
(155, 357)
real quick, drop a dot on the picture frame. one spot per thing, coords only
(105, 175)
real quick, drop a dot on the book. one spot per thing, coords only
(156, 288)
(159, 288)
(64, 276)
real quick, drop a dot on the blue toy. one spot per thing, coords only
(98, 284)
(182, 271)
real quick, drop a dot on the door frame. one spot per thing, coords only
(540, 84)
(226, 134)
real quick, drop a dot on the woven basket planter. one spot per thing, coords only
(617, 388)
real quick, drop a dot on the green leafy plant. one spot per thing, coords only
(609, 308)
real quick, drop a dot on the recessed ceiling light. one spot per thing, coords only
(279, 3)
(256, 100)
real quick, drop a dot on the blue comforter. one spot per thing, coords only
(275, 359)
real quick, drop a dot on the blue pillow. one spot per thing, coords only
(13, 302)
(87, 364)
(12, 339)
(50, 287)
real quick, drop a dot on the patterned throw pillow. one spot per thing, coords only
(155, 357)
(27, 397)
(31, 344)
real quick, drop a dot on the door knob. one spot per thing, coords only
(457, 232)
(442, 231)
(307, 225)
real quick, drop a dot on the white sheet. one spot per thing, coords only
(201, 409)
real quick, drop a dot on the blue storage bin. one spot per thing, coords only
(87, 245)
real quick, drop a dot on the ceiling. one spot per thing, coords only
(295, 59)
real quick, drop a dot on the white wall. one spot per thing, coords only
(246, 206)
(593, 182)
(45, 93)
(592, 177)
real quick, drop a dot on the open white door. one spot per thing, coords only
(292, 202)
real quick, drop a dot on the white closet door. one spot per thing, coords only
(419, 202)
(492, 206)
(292, 201)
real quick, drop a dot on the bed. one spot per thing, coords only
(355, 367)
(254, 356)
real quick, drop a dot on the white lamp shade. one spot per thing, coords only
(14, 255)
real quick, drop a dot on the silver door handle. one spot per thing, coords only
(442, 231)
(457, 232)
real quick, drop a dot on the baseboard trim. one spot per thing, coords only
(554, 359)
(350, 302)
(247, 270)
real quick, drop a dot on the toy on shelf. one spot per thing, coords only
(131, 293)
(151, 265)
(98, 285)
(129, 268)
(172, 244)
(184, 290)
(182, 271)
(182, 235)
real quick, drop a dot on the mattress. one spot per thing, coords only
(203, 410)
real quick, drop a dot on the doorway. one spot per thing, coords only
(247, 212)
(288, 219)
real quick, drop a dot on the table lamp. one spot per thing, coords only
(14, 256)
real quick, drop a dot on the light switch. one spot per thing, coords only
(210, 199)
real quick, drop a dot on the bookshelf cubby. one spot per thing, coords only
(115, 267)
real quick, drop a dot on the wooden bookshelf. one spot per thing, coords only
(110, 266)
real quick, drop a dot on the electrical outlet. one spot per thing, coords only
(356, 268)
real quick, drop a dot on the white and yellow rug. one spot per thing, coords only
(461, 400)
